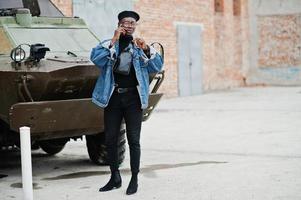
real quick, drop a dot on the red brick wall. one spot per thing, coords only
(279, 40)
(157, 24)
(65, 6)
(222, 38)
(227, 71)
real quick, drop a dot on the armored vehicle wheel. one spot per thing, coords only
(53, 146)
(8, 138)
(97, 149)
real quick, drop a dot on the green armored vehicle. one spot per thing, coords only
(46, 80)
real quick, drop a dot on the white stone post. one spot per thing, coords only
(26, 163)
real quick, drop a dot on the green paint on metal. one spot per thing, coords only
(60, 34)
(24, 19)
(7, 20)
(47, 21)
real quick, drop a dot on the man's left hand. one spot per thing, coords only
(140, 43)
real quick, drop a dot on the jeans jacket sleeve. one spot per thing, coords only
(100, 55)
(155, 62)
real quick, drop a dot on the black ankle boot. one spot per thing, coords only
(114, 182)
(133, 185)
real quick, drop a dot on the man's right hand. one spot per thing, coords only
(120, 30)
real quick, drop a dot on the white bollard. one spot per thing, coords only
(26, 163)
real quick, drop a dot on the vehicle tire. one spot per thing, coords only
(53, 146)
(97, 149)
(8, 138)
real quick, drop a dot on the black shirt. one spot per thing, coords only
(126, 81)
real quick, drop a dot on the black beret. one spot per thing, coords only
(128, 13)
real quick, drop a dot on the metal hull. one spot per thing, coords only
(55, 119)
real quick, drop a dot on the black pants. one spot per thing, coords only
(125, 106)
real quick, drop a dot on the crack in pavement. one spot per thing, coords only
(226, 153)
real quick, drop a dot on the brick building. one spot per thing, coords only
(212, 44)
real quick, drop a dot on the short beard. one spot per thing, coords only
(126, 37)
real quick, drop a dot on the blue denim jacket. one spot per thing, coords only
(104, 57)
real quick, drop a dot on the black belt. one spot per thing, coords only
(124, 90)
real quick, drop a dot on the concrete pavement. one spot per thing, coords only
(241, 144)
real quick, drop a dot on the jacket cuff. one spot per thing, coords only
(152, 52)
(107, 44)
(112, 52)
